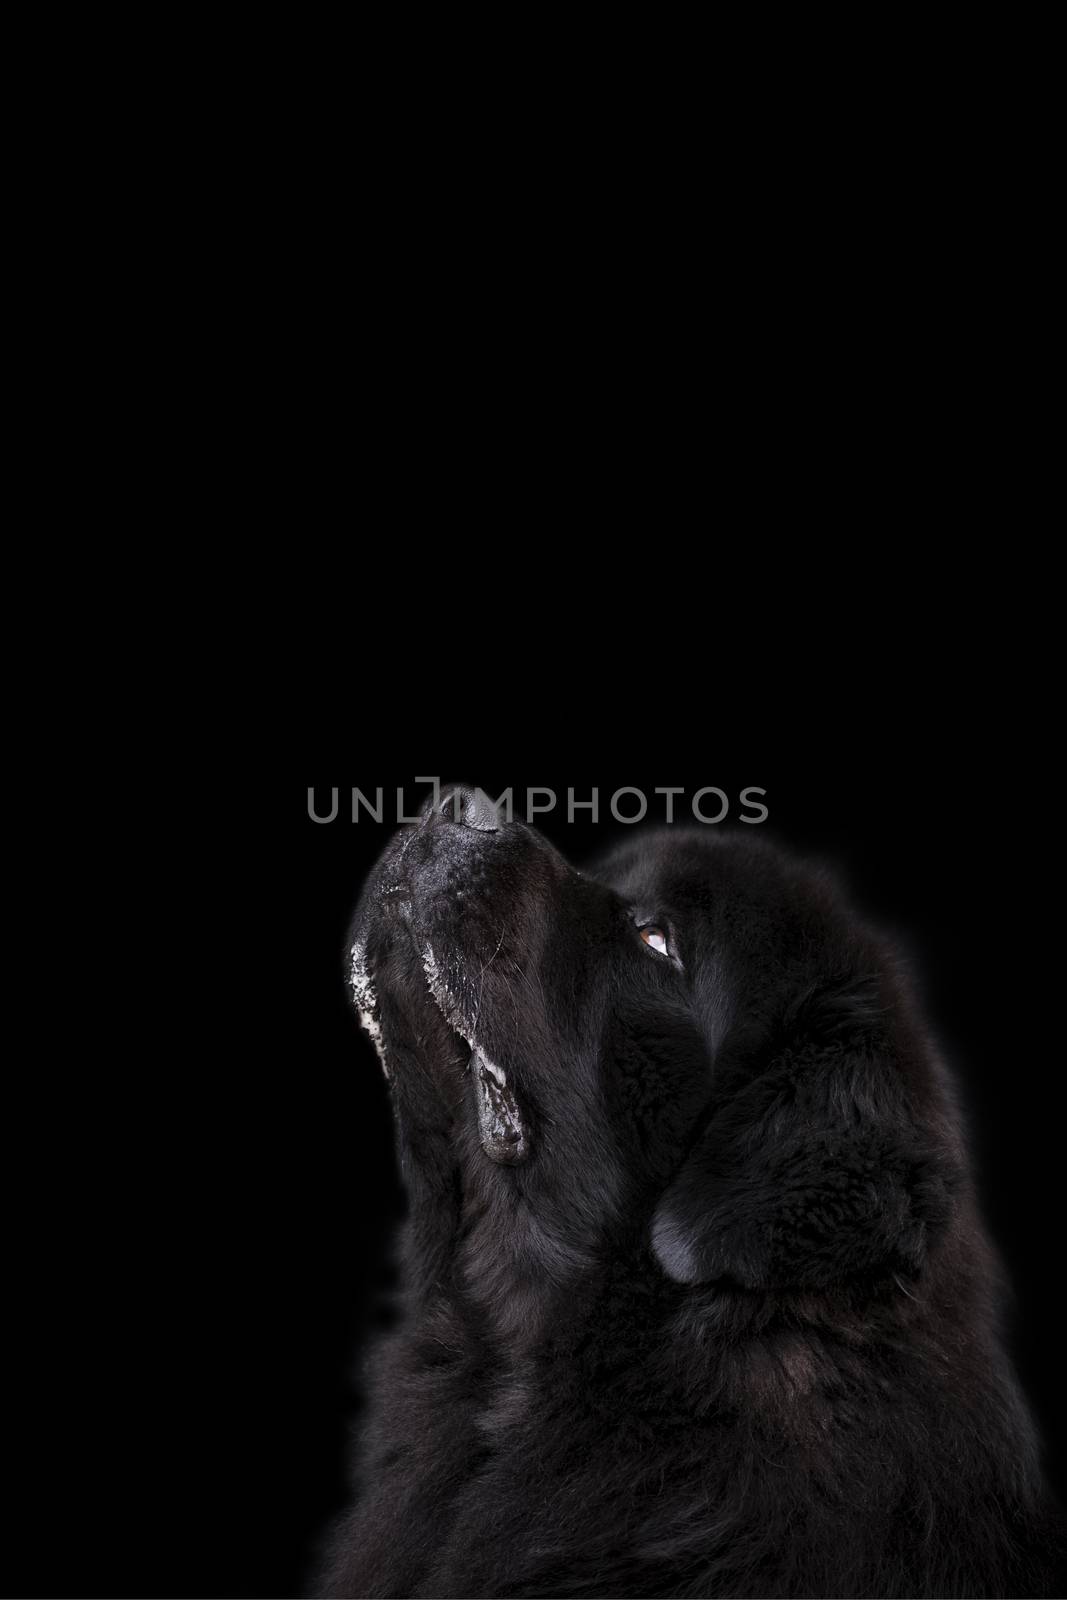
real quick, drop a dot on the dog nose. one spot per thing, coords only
(470, 807)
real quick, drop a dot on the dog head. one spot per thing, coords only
(691, 1057)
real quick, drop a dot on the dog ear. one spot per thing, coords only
(814, 1171)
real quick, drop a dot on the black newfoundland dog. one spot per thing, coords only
(697, 1298)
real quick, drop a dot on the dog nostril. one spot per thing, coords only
(471, 807)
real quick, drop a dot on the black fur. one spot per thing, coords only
(697, 1300)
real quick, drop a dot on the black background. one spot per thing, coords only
(224, 1245)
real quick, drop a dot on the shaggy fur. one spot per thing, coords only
(697, 1298)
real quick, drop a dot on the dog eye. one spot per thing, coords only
(655, 937)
